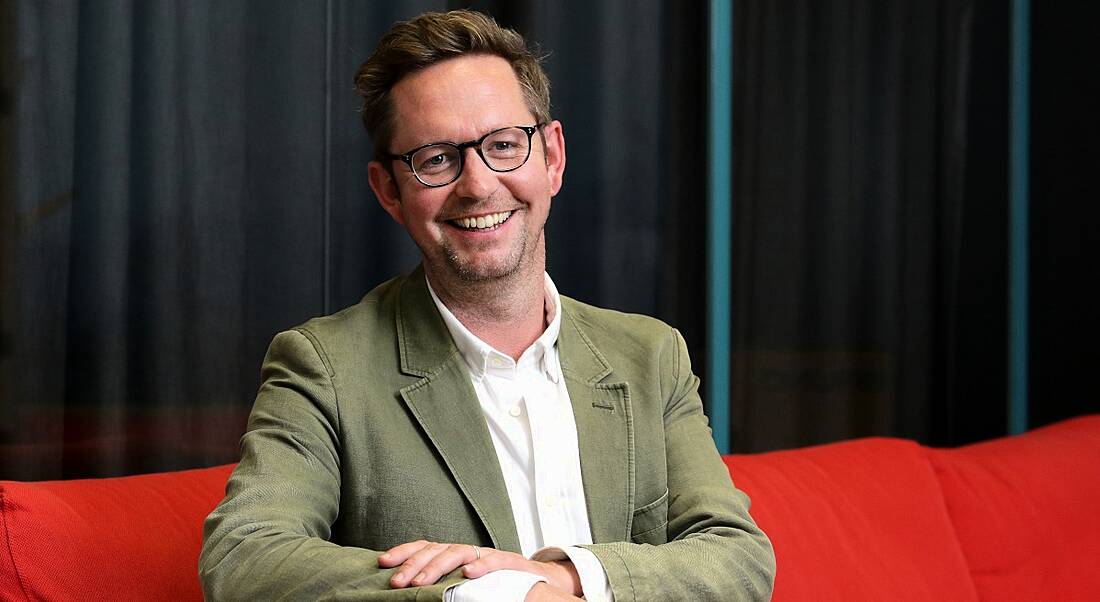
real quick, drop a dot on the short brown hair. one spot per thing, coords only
(432, 38)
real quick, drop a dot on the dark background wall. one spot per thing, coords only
(180, 181)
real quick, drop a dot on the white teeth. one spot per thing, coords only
(485, 221)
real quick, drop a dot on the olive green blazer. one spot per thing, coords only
(366, 433)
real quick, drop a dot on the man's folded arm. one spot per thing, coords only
(268, 539)
(714, 551)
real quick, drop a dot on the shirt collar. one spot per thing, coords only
(482, 358)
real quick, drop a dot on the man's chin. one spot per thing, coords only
(480, 273)
(483, 267)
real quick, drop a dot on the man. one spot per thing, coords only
(464, 431)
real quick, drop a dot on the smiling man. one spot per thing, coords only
(465, 432)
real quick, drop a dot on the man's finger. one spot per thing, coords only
(447, 560)
(496, 561)
(398, 554)
(412, 565)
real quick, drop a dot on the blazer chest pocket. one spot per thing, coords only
(650, 523)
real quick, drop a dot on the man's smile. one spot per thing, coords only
(482, 222)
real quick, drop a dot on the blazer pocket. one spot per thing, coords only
(650, 523)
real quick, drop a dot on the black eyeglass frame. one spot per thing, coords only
(406, 158)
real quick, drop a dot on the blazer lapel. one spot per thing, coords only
(445, 404)
(604, 432)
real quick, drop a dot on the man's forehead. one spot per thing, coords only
(456, 100)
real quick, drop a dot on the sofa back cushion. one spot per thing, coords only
(857, 520)
(1027, 511)
(128, 538)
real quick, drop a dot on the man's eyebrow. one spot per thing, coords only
(425, 142)
(456, 142)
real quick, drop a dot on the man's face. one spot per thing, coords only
(454, 101)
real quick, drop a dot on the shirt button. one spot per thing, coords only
(515, 411)
(550, 501)
(499, 362)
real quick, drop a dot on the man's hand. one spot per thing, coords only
(561, 574)
(547, 593)
(424, 562)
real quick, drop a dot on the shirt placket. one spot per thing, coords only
(505, 386)
(546, 437)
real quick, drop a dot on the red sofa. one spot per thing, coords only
(1016, 518)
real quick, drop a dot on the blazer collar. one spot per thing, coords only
(601, 407)
(424, 343)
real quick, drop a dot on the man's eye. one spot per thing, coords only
(503, 149)
(433, 163)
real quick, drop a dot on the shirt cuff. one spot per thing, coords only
(593, 577)
(506, 585)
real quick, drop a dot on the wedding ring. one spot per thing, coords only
(477, 551)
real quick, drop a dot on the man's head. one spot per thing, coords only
(430, 38)
(475, 201)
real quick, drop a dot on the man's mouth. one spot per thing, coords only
(483, 222)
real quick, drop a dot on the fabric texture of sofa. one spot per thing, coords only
(870, 519)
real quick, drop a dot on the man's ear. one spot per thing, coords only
(385, 190)
(554, 137)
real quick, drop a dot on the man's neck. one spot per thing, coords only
(508, 313)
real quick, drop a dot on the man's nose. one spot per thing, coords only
(476, 181)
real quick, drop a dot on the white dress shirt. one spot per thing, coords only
(530, 418)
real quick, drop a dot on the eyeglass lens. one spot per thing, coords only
(503, 150)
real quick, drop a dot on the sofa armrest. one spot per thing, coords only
(1025, 509)
(855, 520)
(125, 538)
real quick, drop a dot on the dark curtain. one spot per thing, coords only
(180, 181)
(869, 242)
(190, 178)
(1065, 213)
(871, 218)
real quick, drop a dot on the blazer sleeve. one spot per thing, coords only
(714, 551)
(268, 538)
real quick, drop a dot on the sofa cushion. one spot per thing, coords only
(1027, 511)
(66, 540)
(857, 520)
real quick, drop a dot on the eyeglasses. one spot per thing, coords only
(440, 163)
